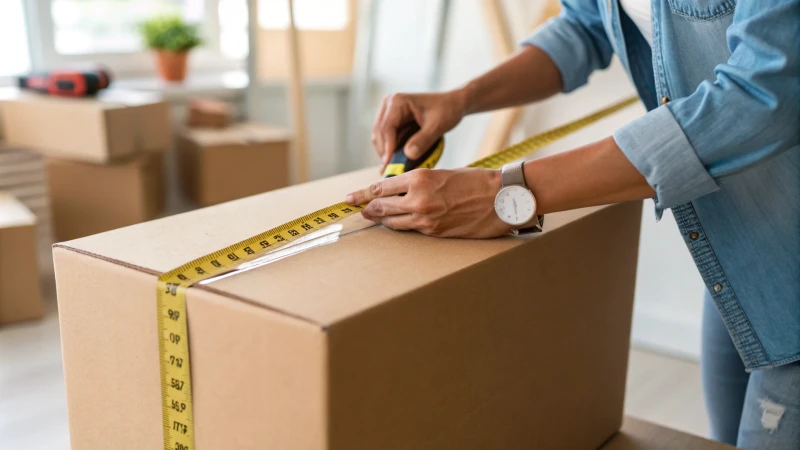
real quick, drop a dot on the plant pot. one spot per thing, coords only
(172, 65)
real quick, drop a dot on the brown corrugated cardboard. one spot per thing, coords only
(22, 174)
(203, 112)
(219, 165)
(641, 435)
(6, 93)
(20, 293)
(112, 126)
(90, 198)
(380, 340)
(153, 121)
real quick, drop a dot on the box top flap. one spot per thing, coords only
(106, 99)
(237, 134)
(13, 213)
(366, 266)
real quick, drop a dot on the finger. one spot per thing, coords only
(421, 141)
(395, 116)
(383, 188)
(388, 206)
(377, 141)
(399, 222)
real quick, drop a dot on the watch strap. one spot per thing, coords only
(534, 226)
(512, 174)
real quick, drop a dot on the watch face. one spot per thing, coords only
(515, 205)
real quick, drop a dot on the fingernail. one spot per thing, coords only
(414, 150)
(351, 199)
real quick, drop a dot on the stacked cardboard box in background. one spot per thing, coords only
(22, 174)
(20, 291)
(211, 113)
(114, 125)
(222, 164)
(105, 162)
(117, 195)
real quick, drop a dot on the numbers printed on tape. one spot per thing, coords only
(173, 341)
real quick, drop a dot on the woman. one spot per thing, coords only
(719, 146)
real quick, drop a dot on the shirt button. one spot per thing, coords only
(717, 287)
(664, 100)
(694, 235)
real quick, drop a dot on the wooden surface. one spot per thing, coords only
(297, 102)
(33, 412)
(641, 435)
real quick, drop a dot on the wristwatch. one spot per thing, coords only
(515, 203)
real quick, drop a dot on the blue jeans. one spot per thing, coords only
(757, 410)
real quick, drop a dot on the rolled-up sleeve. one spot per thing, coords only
(576, 41)
(656, 145)
(747, 115)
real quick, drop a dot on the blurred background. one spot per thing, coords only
(229, 87)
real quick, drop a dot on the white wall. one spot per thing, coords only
(668, 287)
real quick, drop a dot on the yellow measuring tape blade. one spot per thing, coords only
(173, 341)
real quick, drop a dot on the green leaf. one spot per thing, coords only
(171, 33)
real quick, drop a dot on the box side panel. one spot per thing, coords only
(189, 168)
(2, 121)
(89, 199)
(213, 162)
(61, 129)
(231, 172)
(278, 165)
(20, 291)
(153, 126)
(235, 171)
(516, 352)
(120, 133)
(110, 350)
(258, 376)
(153, 184)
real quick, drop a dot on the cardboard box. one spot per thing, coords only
(208, 113)
(20, 292)
(112, 126)
(379, 340)
(640, 435)
(88, 198)
(238, 161)
(22, 174)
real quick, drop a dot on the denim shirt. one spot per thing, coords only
(720, 144)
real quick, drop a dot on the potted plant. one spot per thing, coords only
(172, 38)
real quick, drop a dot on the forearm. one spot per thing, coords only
(595, 174)
(528, 76)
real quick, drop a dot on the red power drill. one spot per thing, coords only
(67, 83)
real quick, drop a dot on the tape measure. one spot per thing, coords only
(400, 163)
(173, 342)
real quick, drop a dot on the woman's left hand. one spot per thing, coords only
(444, 203)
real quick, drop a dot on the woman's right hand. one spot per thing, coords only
(436, 114)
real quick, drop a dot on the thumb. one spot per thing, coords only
(420, 142)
